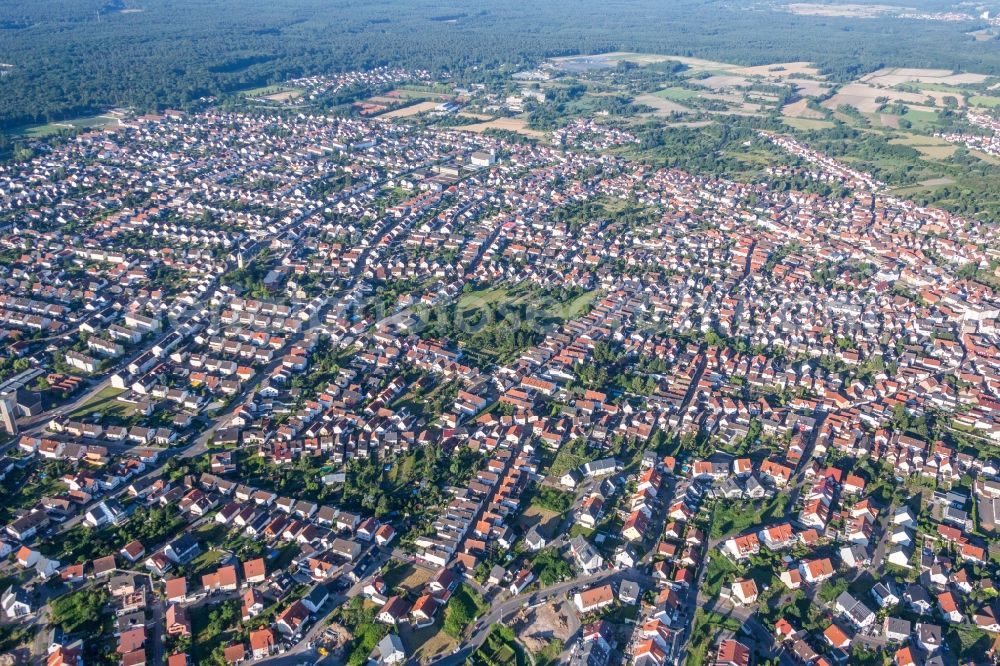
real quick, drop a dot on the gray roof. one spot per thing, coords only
(390, 644)
(629, 589)
(929, 633)
(534, 535)
(897, 625)
(603, 466)
(590, 653)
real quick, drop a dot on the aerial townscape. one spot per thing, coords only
(626, 349)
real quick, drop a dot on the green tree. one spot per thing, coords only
(82, 611)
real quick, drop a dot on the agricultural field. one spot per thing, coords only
(929, 146)
(440, 93)
(867, 98)
(898, 75)
(518, 125)
(845, 10)
(801, 109)
(988, 101)
(411, 110)
(283, 96)
(677, 94)
(883, 121)
(807, 124)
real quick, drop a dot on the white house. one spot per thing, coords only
(104, 514)
(594, 599)
(899, 556)
(391, 650)
(15, 603)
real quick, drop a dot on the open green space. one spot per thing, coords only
(984, 100)
(105, 404)
(493, 324)
(213, 627)
(729, 518)
(264, 91)
(806, 124)
(56, 127)
(500, 649)
(677, 94)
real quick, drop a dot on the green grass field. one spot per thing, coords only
(104, 403)
(574, 308)
(472, 301)
(957, 91)
(263, 91)
(677, 94)
(50, 129)
(984, 100)
(929, 147)
(922, 121)
(807, 124)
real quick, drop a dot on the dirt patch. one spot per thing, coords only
(412, 110)
(510, 124)
(544, 623)
(339, 633)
